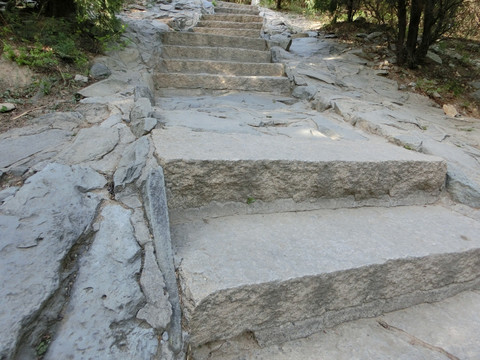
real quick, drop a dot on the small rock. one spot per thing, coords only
(99, 71)
(81, 78)
(381, 73)
(141, 109)
(402, 87)
(143, 126)
(330, 36)
(165, 336)
(475, 84)
(450, 110)
(436, 95)
(304, 92)
(133, 161)
(434, 57)
(7, 107)
(280, 40)
(374, 35)
(18, 170)
(412, 84)
(476, 95)
(144, 92)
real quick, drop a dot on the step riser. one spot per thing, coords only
(277, 85)
(224, 68)
(320, 302)
(193, 184)
(237, 11)
(236, 18)
(217, 54)
(230, 25)
(230, 32)
(212, 40)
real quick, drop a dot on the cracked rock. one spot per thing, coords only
(87, 146)
(38, 227)
(99, 321)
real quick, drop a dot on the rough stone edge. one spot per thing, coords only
(155, 204)
(287, 330)
(302, 329)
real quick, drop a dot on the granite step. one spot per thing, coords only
(213, 40)
(300, 168)
(226, 4)
(222, 67)
(273, 84)
(230, 24)
(216, 54)
(283, 276)
(236, 10)
(252, 33)
(232, 17)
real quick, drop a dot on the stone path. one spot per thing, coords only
(224, 52)
(288, 215)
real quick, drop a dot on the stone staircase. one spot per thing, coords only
(285, 223)
(284, 236)
(224, 52)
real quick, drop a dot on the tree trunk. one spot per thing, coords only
(427, 36)
(279, 4)
(402, 30)
(411, 46)
(350, 10)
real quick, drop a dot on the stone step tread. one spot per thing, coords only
(274, 84)
(213, 40)
(252, 33)
(215, 53)
(230, 25)
(260, 272)
(236, 11)
(235, 5)
(222, 67)
(302, 166)
(232, 17)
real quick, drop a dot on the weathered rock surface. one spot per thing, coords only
(158, 310)
(132, 163)
(104, 88)
(39, 227)
(100, 317)
(86, 146)
(14, 149)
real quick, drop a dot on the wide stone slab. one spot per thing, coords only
(272, 84)
(230, 24)
(238, 11)
(214, 40)
(216, 54)
(252, 33)
(204, 167)
(288, 275)
(233, 17)
(222, 67)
